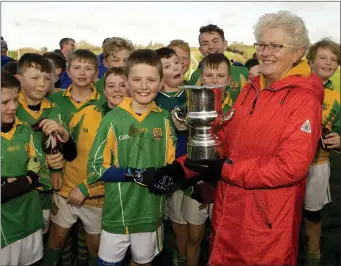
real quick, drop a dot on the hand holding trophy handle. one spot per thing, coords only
(180, 113)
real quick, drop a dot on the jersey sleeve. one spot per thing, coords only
(103, 151)
(171, 141)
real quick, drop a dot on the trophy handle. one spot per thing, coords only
(227, 118)
(180, 113)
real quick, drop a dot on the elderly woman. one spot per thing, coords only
(269, 144)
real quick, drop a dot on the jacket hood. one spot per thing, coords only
(301, 77)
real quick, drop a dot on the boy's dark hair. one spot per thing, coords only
(165, 52)
(324, 43)
(210, 28)
(8, 81)
(83, 54)
(144, 56)
(33, 60)
(58, 60)
(64, 41)
(251, 63)
(11, 67)
(214, 60)
(117, 71)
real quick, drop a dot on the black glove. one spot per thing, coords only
(209, 169)
(142, 177)
(204, 192)
(165, 177)
(325, 132)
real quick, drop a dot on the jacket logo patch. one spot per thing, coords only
(306, 127)
(157, 133)
(234, 85)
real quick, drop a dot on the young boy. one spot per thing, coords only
(59, 63)
(82, 68)
(182, 50)
(212, 40)
(324, 58)
(21, 159)
(215, 70)
(116, 52)
(131, 141)
(84, 126)
(170, 96)
(34, 74)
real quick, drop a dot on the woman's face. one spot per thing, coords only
(273, 65)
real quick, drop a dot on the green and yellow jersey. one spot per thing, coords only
(238, 81)
(330, 118)
(125, 139)
(50, 111)
(169, 100)
(99, 84)
(83, 127)
(20, 216)
(69, 106)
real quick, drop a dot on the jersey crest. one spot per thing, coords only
(157, 133)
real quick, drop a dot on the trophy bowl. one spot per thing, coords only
(203, 115)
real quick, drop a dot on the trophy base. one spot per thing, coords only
(211, 150)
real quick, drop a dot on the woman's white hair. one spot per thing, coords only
(294, 27)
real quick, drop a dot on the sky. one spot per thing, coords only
(43, 24)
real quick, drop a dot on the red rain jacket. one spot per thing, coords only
(271, 140)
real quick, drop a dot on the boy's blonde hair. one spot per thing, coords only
(180, 44)
(83, 54)
(324, 43)
(115, 44)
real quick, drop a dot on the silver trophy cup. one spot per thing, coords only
(204, 115)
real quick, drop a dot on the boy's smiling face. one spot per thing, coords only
(144, 83)
(82, 73)
(216, 76)
(116, 88)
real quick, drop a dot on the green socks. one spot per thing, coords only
(51, 256)
(313, 259)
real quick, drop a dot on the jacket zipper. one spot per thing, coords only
(270, 89)
(261, 210)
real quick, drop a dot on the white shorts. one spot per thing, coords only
(317, 191)
(47, 219)
(192, 214)
(65, 215)
(25, 251)
(144, 246)
(174, 207)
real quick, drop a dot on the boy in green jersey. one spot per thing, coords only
(34, 74)
(212, 40)
(324, 58)
(86, 207)
(21, 159)
(82, 68)
(116, 52)
(132, 140)
(215, 71)
(170, 96)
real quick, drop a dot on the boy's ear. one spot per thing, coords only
(161, 83)
(229, 79)
(67, 71)
(105, 63)
(18, 77)
(59, 71)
